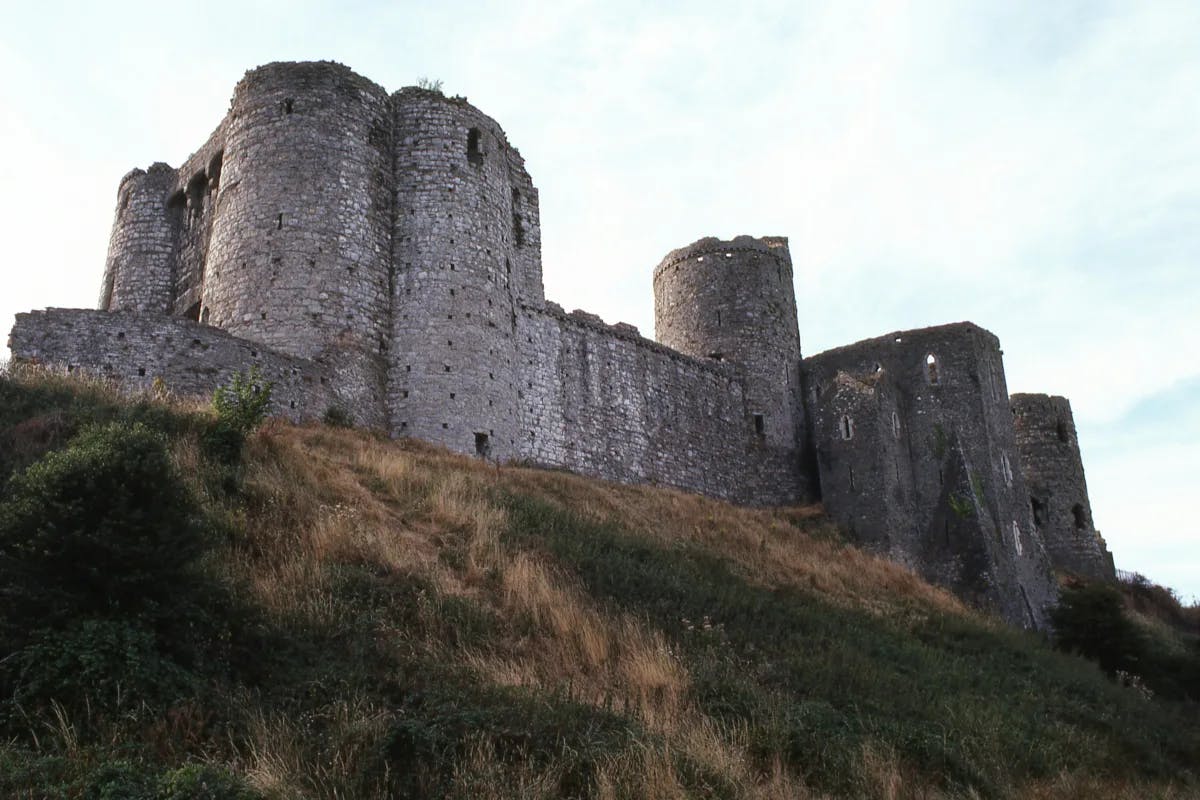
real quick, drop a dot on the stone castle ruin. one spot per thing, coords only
(380, 254)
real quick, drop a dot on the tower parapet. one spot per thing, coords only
(1058, 496)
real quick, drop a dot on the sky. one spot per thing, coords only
(1032, 167)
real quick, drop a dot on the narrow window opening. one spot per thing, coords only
(1080, 517)
(482, 447)
(896, 424)
(204, 316)
(288, 105)
(508, 266)
(445, 425)
(279, 222)
(518, 229)
(141, 372)
(1039, 511)
(1016, 532)
(197, 188)
(1007, 469)
(847, 428)
(850, 471)
(452, 395)
(718, 319)
(931, 369)
(759, 424)
(474, 154)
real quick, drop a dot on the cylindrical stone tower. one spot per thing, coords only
(466, 252)
(140, 268)
(299, 257)
(1049, 452)
(734, 301)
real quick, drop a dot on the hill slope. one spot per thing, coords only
(347, 616)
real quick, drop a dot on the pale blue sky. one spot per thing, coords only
(1031, 166)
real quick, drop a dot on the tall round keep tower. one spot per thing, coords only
(299, 257)
(139, 271)
(466, 249)
(734, 301)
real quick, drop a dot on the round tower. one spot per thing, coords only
(299, 254)
(734, 301)
(139, 271)
(467, 255)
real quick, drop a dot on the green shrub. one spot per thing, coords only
(244, 402)
(104, 666)
(103, 527)
(241, 406)
(1090, 620)
(337, 417)
(203, 782)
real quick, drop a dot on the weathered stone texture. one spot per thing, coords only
(190, 359)
(382, 254)
(459, 256)
(917, 457)
(733, 301)
(1049, 453)
(604, 401)
(143, 247)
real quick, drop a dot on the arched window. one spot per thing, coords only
(931, 369)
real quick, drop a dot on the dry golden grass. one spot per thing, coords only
(322, 496)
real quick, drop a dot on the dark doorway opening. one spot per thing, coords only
(482, 446)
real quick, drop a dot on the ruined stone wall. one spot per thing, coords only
(603, 401)
(142, 250)
(917, 457)
(1049, 454)
(190, 359)
(194, 205)
(734, 302)
(466, 247)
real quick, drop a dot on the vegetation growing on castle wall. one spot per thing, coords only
(345, 616)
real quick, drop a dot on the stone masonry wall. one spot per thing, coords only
(190, 359)
(299, 258)
(1058, 496)
(917, 457)
(460, 259)
(734, 301)
(143, 246)
(604, 401)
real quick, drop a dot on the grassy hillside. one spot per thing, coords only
(323, 613)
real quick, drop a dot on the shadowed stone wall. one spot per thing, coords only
(917, 457)
(1058, 496)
